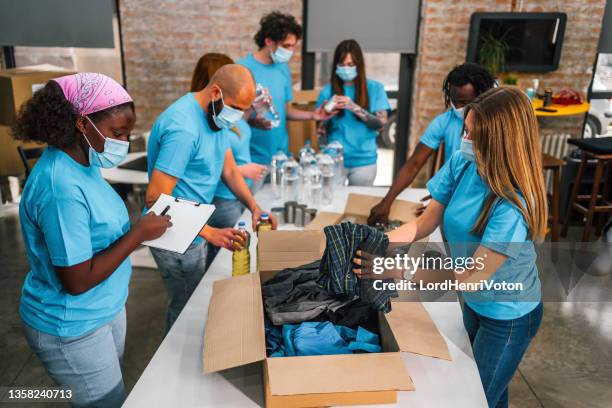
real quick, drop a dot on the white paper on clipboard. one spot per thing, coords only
(188, 219)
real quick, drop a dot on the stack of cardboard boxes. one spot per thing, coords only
(17, 86)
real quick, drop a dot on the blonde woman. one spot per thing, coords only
(490, 200)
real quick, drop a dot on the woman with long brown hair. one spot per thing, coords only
(491, 202)
(361, 105)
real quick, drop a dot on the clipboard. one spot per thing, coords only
(188, 219)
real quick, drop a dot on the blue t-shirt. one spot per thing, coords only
(358, 140)
(460, 188)
(69, 213)
(277, 78)
(445, 127)
(183, 145)
(240, 145)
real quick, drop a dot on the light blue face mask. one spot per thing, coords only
(467, 150)
(228, 117)
(458, 111)
(113, 154)
(347, 74)
(281, 55)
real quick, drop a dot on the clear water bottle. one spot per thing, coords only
(276, 172)
(291, 180)
(264, 106)
(241, 257)
(339, 159)
(326, 165)
(307, 154)
(313, 185)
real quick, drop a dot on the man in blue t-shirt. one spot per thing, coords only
(462, 84)
(276, 41)
(188, 154)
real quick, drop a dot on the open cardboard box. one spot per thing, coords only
(358, 206)
(235, 336)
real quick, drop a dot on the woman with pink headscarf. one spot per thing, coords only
(78, 236)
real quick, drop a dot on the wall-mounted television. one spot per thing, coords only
(531, 42)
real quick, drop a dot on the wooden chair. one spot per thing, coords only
(600, 150)
(554, 164)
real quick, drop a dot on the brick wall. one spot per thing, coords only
(443, 44)
(163, 40)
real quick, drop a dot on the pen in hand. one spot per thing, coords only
(165, 210)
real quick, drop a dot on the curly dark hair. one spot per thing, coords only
(47, 117)
(277, 26)
(468, 73)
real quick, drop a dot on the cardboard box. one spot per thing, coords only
(235, 336)
(358, 206)
(10, 162)
(300, 131)
(17, 86)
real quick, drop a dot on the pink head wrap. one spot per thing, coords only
(89, 92)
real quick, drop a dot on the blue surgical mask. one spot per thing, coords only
(228, 117)
(347, 74)
(113, 154)
(281, 55)
(458, 111)
(467, 150)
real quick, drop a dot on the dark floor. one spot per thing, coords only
(569, 363)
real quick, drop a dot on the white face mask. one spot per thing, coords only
(467, 149)
(458, 111)
(228, 117)
(281, 55)
(113, 154)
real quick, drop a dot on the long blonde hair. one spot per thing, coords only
(508, 156)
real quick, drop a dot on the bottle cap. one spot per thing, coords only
(241, 225)
(264, 216)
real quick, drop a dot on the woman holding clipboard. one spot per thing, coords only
(78, 236)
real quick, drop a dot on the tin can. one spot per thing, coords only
(547, 97)
(299, 215)
(279, 214)
(290, 211)
(309, 215)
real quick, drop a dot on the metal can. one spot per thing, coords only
(299, 215)
(290, 211)
(548, 97)
(279, 214)
(309, 215)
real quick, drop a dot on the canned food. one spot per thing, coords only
(290, 211)
(309, 215)
(279, 214)
(299, 215)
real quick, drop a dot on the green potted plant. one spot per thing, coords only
(492, 53)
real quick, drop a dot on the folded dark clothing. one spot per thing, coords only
(293, 296)
(355, 314)
(336, 268)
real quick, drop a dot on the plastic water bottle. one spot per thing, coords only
(313, 185)
(326, 165)
(339, 159)
(264, 106)
(276, 172)
(264, 223)
(241, 258)
(290, 181)
(307, 154)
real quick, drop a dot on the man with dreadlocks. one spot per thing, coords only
(462, 84)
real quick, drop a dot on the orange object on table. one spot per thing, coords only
(561, 110)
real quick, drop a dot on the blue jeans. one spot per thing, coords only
(361, 176)
(498, 347)
(181, 274)
(89, 365)
(226, 215)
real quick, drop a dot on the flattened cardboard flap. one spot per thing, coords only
(234, 334)
(322, 220)
(277, 250)
(337, 373)
(415, 332)
(361, 204)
